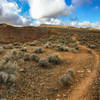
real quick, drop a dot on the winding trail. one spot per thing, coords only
(81, 89)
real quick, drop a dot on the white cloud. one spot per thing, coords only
(87, 24)
(49, 8)
(9, 14)
(49, 21)
(84, 24)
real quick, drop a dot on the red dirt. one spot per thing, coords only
(82, 88)
(36, 83)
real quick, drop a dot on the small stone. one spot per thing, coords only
(21, 70)
(58, 95)
(64, 95)
(57, 99)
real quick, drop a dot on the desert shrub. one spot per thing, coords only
(27, 57)
(3, 77)
(71, 72)
(35, 58)
(62, 48)
(32, 44)
(17, 54)
(54, 59)
(11, 80)
(8, 73)
(92, 46)
(1, 51)
(76, 47)
(17, 47)
(43, 63)
(6, 58)
(47, 45)
(16, 44)
(24, 49)
(66, 80)
(89, 51)
(8, 47)
(14, 52)
(72, 50)
(52, 38)
(8, 67)
(38, 50)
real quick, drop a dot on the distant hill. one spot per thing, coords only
(23, 34)
(11, 34)
(57, 26)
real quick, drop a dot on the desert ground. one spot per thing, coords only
(49, 63)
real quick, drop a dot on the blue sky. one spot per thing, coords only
(86, 11)
(80, 13)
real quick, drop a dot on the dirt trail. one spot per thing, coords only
(81, 89)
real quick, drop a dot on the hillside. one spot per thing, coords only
(49, 63)
(21, 34)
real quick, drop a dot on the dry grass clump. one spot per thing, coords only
(54, 59)
(38, 50)
(35, 57)
(44, 63)
(47, 45)
(62, 48)
(24, 49)
(10, 46)
(32, 44)
(92, 46)
(71, 72)
(16, 54)
(8, 72)
(72, 50)
(27, 57)
(1, 51)
(16, 44)
(67, 79)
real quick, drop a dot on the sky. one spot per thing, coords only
(78, 13)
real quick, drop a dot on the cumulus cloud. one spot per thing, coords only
(87, 24)
(49, 21)
(84, 24)
(49, 8)
(9, 13)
